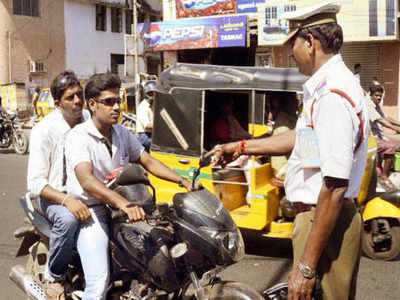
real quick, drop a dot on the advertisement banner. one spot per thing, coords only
(194, 33)
(361, 20)
(200, 8)
(247, 6)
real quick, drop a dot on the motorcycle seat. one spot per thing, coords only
(35, 214)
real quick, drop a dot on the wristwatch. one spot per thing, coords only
(307, 272)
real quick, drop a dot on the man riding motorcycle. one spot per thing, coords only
(95, 149)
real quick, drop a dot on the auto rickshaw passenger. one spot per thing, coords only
(226, 128)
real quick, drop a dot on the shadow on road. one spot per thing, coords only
(256, 244)
(274, 249)
(7, 151)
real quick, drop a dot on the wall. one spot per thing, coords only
(389, 76)
(32, 38)
(87, 50)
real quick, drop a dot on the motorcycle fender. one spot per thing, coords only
(379, 208)
(27, 242)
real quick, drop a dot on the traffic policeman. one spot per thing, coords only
(329, 150)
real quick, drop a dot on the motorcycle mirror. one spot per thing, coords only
(204, 161)
(132, 174)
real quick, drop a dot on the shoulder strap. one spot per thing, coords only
(359, 115)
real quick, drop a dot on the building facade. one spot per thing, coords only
(371, 37)
(41, 38)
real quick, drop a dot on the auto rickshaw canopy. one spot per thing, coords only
(216, 77)
(188, 95)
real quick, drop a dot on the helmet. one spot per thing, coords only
(150, 86)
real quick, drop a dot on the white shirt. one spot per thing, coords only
(45, 165)
(144, 116)
(336, 127)
(357, 77)
(84, 143)
(375, 113)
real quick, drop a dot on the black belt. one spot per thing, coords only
(304, 207)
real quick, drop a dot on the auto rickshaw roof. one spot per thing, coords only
(216, 77)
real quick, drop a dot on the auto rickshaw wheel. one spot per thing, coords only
(381, 239)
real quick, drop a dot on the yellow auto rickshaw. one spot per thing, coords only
(183, 110)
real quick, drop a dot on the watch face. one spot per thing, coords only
(306, 271)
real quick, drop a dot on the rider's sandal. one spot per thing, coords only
(54, 292)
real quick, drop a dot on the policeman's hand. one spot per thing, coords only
(77, 208)
(300, 288)
(133, 211)
(223, 154)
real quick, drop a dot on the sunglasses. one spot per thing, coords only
(109, 101)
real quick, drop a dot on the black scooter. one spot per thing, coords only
(175, 254)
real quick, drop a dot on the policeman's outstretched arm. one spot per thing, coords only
(275, 145)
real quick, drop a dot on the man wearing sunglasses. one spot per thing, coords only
(47, 178)
(95, 149)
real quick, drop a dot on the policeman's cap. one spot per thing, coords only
(322, 13)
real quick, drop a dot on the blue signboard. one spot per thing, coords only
(247, 6)
(194, 33)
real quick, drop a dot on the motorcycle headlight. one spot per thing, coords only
(231, 241)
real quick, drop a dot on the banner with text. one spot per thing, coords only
(200, 8)
(194, 33)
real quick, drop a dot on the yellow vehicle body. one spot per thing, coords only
(379, 208)
(13, 98)
(45, 103)
(172, 145)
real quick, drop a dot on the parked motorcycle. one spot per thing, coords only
(12, 135)
(175, 254)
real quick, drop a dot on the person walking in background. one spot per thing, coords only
(144, 125)
(386, 146)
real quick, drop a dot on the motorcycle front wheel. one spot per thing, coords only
(384, 244)
(227, 290)
(20, 142)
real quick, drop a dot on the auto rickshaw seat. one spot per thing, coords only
(231, 195)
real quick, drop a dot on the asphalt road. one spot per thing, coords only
(268, 262)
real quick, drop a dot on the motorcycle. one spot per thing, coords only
(12, 135)
(176, 253)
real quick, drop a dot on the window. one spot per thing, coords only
(116, 19)
(128, 21)
(101, 18)
(117, 64)
(140, 17)
(26, 8)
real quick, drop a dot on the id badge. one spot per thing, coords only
(309, 151)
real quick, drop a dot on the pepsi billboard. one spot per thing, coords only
(200, 8)
(216, 32)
